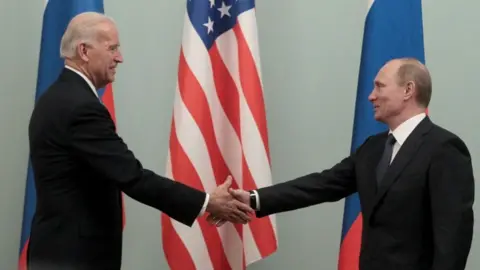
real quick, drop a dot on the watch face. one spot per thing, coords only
(253, 202)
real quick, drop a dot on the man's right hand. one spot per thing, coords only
(222, 206)
(238, 194)
(241, 195)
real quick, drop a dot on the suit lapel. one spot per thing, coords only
(372, 159)
(402, 159)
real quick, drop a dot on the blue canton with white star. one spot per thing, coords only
(211, 18)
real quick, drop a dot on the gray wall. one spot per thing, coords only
(20, 36)
(296, 39)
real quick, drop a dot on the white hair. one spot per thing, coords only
(82, 28)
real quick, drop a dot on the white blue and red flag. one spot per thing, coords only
(393, 29)
(57, 15)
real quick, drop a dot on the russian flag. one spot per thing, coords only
(393, 29)
(56, 17)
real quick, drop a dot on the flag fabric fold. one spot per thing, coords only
(218, 129)
(57, 15)
(393, 29)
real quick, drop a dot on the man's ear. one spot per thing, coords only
(409, 90)
(82, 51)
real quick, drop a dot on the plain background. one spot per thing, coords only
(310, 52)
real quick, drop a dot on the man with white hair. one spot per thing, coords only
(81, 165)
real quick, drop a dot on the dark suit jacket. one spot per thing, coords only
(419, 218)
(81, 166)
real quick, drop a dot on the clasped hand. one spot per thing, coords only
(226, 204)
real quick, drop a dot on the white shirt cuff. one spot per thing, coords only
(204, 207)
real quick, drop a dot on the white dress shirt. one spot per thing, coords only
(204, 207)
(404, 130)
(401, 134)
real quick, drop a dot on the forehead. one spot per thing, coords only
(108, 32)
(388, 72)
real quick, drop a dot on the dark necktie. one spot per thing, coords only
(386, 157)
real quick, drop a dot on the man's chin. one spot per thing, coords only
(110, 80)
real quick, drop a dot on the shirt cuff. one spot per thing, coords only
(204, 207)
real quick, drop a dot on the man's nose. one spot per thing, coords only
(371, 97)
(119, 57)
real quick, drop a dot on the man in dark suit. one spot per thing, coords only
(81, 165)
(415, 182)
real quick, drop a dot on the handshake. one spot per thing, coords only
(226, 204)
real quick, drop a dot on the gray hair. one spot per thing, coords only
(83, 28)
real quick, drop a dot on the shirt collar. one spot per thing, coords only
(85, 78)
(402, 132)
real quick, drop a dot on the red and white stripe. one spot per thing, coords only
(218, 129)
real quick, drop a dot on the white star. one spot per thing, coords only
(212, 3)
(224, 10)
(209, 25)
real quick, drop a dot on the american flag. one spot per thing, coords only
(218, 129)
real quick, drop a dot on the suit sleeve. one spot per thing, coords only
(329, 185)
(95, 142)
(451, 186)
